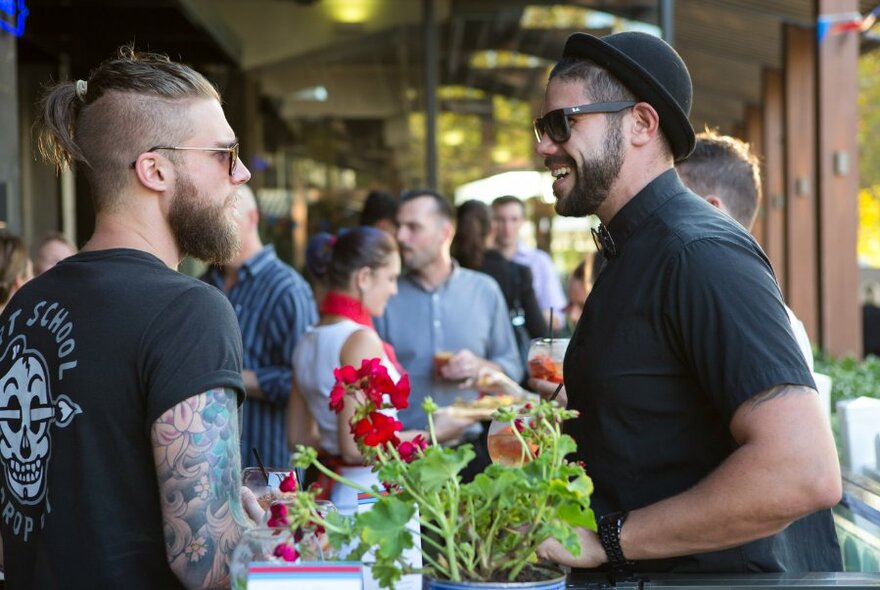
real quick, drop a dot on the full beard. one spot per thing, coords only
(594, 178)
(202, 230)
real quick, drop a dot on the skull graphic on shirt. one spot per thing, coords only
(27, 411)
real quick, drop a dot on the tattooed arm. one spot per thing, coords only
(196, 450)
(785, 467)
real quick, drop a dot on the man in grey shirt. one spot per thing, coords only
(443, 310)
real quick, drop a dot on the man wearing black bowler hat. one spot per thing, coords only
(699, 420)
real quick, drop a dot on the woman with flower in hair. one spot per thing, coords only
(360, 269)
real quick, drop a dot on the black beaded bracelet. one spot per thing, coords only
(610, 526)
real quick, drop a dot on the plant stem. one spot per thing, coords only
(344, 481)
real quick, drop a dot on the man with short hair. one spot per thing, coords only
(724, 171)
(699, 421)
(120, 377)
(443, 308)
(53, 248)
(380, 211)
(274, 306)
(508, 215)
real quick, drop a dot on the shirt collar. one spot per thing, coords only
(456, 271)
(641, 206)
(260, 260)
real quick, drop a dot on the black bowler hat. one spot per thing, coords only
(653, 71)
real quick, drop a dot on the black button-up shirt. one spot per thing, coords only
(684, 323)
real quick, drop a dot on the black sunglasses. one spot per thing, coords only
(555, 123)
(231, 150)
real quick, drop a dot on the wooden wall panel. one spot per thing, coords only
(754, 135)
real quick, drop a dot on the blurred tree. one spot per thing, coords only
(869, 159)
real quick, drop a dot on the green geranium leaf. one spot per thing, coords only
(385, 525)
(439, 465)
(492, 484)
(386, 573)
(577, 514)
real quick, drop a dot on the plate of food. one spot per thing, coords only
(482, 408)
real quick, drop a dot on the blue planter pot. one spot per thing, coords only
(555, 583)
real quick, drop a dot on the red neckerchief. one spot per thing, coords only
(336, 303)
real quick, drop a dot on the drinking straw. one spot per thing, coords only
(555, 393)
(260, 464)
(551, 329)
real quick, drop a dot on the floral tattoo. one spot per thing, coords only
(195, 447)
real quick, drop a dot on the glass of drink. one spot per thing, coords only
(265, 491)
(545, 358)
(504, 446)
(441, 357)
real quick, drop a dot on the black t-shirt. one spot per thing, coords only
(91, 354)
(683, 325)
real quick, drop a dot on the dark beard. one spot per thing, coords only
(594, 178)
(202, 230)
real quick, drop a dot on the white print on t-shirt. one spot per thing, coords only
(27, 411)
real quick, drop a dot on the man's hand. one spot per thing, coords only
(448, 428)
(546, 389)
(462, 365)
(592, 554)
(251, 506)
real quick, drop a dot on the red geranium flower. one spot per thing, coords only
(347, 375)
(278, 515)
(376, 429)
(286, 551)
(288, 484)
(337, 397)
(371, 368)
(378, 385)
(400, 393)
(408, 449)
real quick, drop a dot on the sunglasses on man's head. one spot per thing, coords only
(555, 123)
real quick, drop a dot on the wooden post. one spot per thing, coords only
(754, 135)
(838, 53)
(774, 177)
(801, 243)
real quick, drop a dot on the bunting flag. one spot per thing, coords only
(844, 22)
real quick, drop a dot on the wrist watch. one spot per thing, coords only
(610, 526)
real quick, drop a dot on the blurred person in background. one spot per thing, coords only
(274, 306)
(380, 211)
(580, 283)
(508, 215)
(449, 324)
(723, 170)
(15, 267)
(361, 267)
(473, 248)
(53, 248)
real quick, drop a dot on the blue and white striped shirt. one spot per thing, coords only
(274, 306)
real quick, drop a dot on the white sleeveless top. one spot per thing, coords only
(315, 357)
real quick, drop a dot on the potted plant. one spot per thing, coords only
(485, 531)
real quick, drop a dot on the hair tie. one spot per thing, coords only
(81, 87)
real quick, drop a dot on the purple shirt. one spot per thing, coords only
(545, 280)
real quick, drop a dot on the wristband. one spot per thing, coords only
(610, 526)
